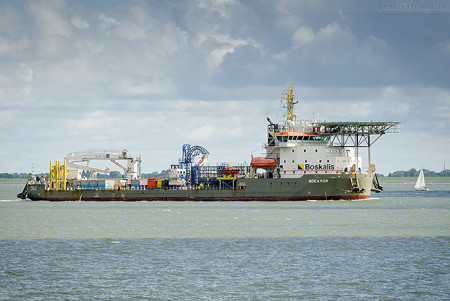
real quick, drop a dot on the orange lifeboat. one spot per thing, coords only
(258, 162)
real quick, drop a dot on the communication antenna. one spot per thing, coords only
(289, 97)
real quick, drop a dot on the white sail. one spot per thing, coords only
(420, 183)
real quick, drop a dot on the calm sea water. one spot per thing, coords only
(395, 246)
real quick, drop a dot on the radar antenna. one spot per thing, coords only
(289, 97)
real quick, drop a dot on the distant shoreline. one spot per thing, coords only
(412, 179)
(13, 181)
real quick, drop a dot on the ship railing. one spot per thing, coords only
(297, 126)
(95, 151)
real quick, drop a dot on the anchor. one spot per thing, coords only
(24, 194)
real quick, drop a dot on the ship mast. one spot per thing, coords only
(289, 97)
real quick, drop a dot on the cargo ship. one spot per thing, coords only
(302, 160)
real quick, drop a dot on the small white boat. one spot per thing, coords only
(420, 183)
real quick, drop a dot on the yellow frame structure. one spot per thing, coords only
(58, 176)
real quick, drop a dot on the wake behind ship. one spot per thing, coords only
(303, 160)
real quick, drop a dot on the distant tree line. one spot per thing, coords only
(14, 175)
(153, 175)
(415, 173)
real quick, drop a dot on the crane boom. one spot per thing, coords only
(87, 167)
(132, 169)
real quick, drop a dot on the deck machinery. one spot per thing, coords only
(81, 161)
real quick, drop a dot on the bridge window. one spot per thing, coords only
(282, 138)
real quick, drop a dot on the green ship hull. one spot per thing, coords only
(306, 187)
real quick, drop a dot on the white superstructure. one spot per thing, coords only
(300, 148)
(297, 147)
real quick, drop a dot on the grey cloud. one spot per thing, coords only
(113, 72)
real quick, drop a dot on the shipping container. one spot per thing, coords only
(155, 183)
(151, 183)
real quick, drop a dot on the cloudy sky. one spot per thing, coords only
(150, 76)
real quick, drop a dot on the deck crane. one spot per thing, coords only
(81, 160)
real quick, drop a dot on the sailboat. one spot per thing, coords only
(420, 183)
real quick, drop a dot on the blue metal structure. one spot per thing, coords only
(196, 175)
(187, 159)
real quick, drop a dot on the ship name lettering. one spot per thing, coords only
(319, 166)
(315, 181)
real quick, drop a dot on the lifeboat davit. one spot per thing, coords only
(258, 162)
